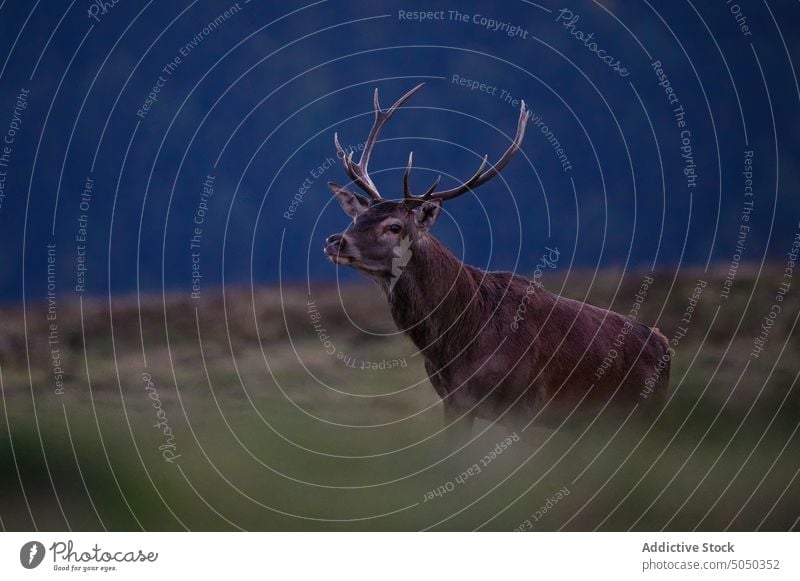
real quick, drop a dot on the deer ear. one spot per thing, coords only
(426, 213)
(351, 203)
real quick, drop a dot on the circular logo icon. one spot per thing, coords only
(31, 554)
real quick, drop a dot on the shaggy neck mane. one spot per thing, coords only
(438, 300)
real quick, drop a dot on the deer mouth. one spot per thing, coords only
(335, 256)
(340, 259)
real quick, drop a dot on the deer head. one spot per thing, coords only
(384, 230)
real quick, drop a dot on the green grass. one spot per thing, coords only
(274, 432)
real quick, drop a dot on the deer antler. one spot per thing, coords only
(358, 171)
(480, 177)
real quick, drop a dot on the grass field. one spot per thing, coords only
(241, 413)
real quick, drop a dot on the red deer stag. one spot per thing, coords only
(481, 357)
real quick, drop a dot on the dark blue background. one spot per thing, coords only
(266, 90)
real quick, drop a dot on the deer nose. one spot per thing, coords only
(334, 239)
(334, 244)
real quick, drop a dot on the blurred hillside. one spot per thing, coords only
(255, 103)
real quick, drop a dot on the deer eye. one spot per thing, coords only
(395, 228)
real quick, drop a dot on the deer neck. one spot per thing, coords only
(433, 298)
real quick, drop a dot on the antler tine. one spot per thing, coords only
(381, 117)
(347, 161)
(480, 177)
(407, 191)
(358, 171)
(435, 183)
(467, 185)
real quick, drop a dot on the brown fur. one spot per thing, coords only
(460, 317)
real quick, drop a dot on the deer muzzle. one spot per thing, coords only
(336, 249)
